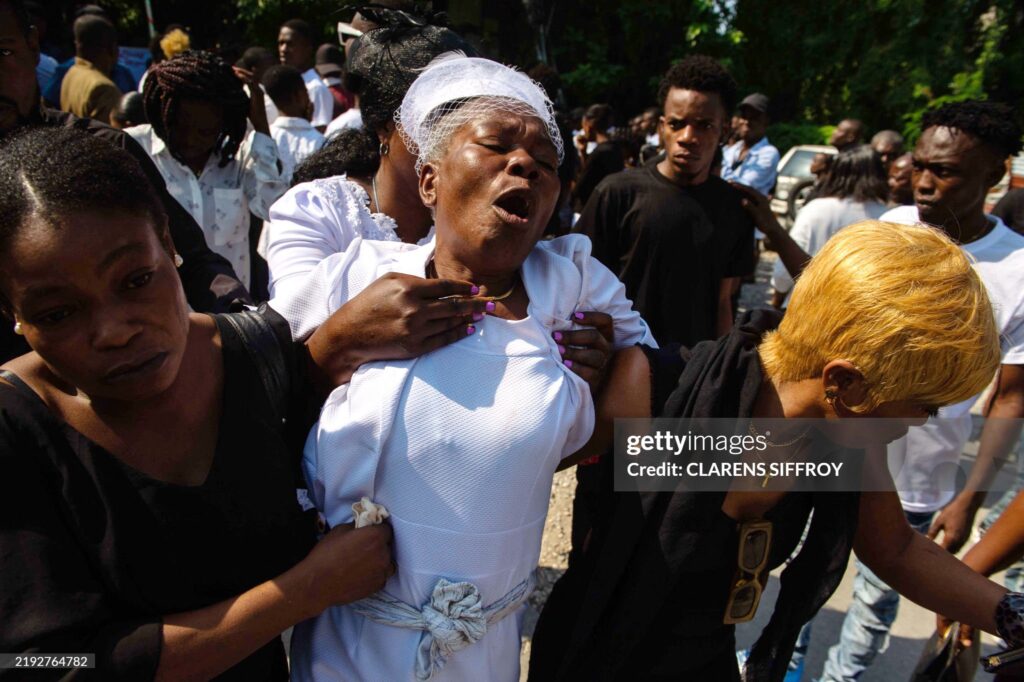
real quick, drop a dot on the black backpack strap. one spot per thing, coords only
(264, 348)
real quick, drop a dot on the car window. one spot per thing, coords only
(799, 165)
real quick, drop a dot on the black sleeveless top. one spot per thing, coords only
(93, 553)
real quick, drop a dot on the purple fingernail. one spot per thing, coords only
(561, 349)
(558, 336)
(490, 306)
(477, 317)
(568, 363)
(578, 316)
(475, 290)
(470, 329)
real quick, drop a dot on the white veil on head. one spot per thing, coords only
(455, 89)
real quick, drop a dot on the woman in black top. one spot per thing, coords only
(147, 487)
(884, 323)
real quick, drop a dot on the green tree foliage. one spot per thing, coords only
(883, 61)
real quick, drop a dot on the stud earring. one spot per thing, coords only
(178, 260)
(18, 330)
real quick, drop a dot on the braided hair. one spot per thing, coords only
(203, 76)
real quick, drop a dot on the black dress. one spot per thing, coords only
(646, 598)
(93, 553)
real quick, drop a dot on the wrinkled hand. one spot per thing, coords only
(587, 351)
(965, 638)
(257, 106)
(347, 565)
(395, 318)
(759, 207)
(955, 521)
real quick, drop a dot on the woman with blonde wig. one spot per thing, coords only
(886, 324)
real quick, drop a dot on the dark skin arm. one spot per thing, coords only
(912, 564)
(343, 567)
(627, 395)
(760, 210)
(998, 436)
(402, 316)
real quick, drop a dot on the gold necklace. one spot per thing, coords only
(432, 274)
(754, 432)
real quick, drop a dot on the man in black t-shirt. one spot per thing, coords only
(677, 236)
(600, 161)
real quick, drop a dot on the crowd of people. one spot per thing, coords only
(299, 339)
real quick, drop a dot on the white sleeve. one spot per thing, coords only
(603, 292)
(308, 303)
(1011, 340)
(304, 229)
(262, 180)
(323, 104)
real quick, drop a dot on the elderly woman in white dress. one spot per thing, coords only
(460, 445)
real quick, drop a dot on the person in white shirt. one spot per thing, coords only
(196, 136)
(753, 161)
(296, 47)
(295, 136)
(314, 220)
(959, 156)
(428, 438)
(854, 190)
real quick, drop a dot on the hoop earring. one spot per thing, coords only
(384, 149)
(18, 330)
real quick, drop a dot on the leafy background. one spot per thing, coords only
(883, 61)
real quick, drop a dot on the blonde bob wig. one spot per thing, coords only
(903, 304)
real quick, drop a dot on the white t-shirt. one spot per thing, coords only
(923, 462)
(296, 140)
(352, 118)
(429, 438)
(320, 96)
(815, 224)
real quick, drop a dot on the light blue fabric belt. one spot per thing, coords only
(452, 620)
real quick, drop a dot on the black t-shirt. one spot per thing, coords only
(94, 553)
(602, 162)
(670, 246)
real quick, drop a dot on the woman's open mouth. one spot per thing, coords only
(514, 207)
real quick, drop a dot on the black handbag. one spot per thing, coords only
(941, 662)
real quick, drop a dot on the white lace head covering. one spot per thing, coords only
(454, 90)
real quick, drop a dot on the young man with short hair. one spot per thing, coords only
(958, 158)
(753, 160)
(87, 89)
(295, 136)
(296, 47)
(676, 235)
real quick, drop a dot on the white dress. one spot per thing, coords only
(460, 445)
(314, 220)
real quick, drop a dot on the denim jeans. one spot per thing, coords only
(865, 632)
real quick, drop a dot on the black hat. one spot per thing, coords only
(756, 101)
(329, 59)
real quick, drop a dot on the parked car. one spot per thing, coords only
(795, 178)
